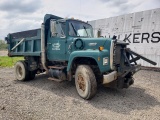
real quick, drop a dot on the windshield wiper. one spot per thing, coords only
(75, 30)
(86, 30)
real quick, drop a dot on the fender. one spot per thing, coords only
(94, 54)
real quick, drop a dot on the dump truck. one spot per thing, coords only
(66, 50)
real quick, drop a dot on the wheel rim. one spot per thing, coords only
(19, 71)
(81, 83)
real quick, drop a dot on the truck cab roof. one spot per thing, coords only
(48, 17)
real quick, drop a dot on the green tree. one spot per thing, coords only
(3, 45)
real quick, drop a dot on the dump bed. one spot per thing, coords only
(26, 43)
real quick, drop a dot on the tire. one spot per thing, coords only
(21, 72)
(85, 82)
(31, 75)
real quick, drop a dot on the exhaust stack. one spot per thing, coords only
(43, 52)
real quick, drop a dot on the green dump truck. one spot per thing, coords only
(66, 50)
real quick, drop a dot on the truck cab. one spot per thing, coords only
(61, 36)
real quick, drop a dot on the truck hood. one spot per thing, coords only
(95, 43)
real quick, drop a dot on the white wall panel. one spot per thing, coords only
(140, 29)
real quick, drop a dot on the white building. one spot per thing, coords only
(140, 29)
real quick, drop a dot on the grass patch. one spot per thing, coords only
(9, 61)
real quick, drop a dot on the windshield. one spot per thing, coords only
(80, 29)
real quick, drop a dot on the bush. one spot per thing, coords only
(3, 45)
(9, 61)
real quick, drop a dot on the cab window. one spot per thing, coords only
(58, 29)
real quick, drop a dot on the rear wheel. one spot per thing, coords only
(85, 82)
(32, 75)
(21, 72)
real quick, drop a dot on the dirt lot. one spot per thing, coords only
(45, 99)
(3, 53)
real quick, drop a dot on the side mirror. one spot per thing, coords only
(99, 33)
(7, 40)
(53, 28)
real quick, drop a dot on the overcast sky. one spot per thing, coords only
(20, 15)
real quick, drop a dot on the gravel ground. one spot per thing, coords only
(44, 99)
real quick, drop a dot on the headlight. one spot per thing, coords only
(105, 61)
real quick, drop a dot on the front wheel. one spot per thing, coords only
(85, 81)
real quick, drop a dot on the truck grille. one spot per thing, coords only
(117, 54)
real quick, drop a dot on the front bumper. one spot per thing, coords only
(109, 77)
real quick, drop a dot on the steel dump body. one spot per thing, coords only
(30, 46)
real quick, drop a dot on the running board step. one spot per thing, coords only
(57, 67)
(54, 79)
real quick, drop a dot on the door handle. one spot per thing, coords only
(48, 43)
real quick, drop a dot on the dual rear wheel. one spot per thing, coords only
(22, 73)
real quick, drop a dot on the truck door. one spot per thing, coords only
(57, 41)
